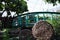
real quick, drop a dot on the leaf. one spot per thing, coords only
(1, 6)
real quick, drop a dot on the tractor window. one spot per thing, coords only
(31, 19)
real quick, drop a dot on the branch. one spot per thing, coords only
(2, 13)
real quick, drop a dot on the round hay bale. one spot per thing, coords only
(26, 34)
(14, 32)
(42, 30)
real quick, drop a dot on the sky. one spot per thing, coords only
(41, 5)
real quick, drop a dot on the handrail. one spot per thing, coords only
(40, 13)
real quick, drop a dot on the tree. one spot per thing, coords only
(17, 6)
(53, 1)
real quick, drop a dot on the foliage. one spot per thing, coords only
(56, 26)
(17, 6)
(53, 1)
(5, 35)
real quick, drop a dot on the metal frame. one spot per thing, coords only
(36, 13)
